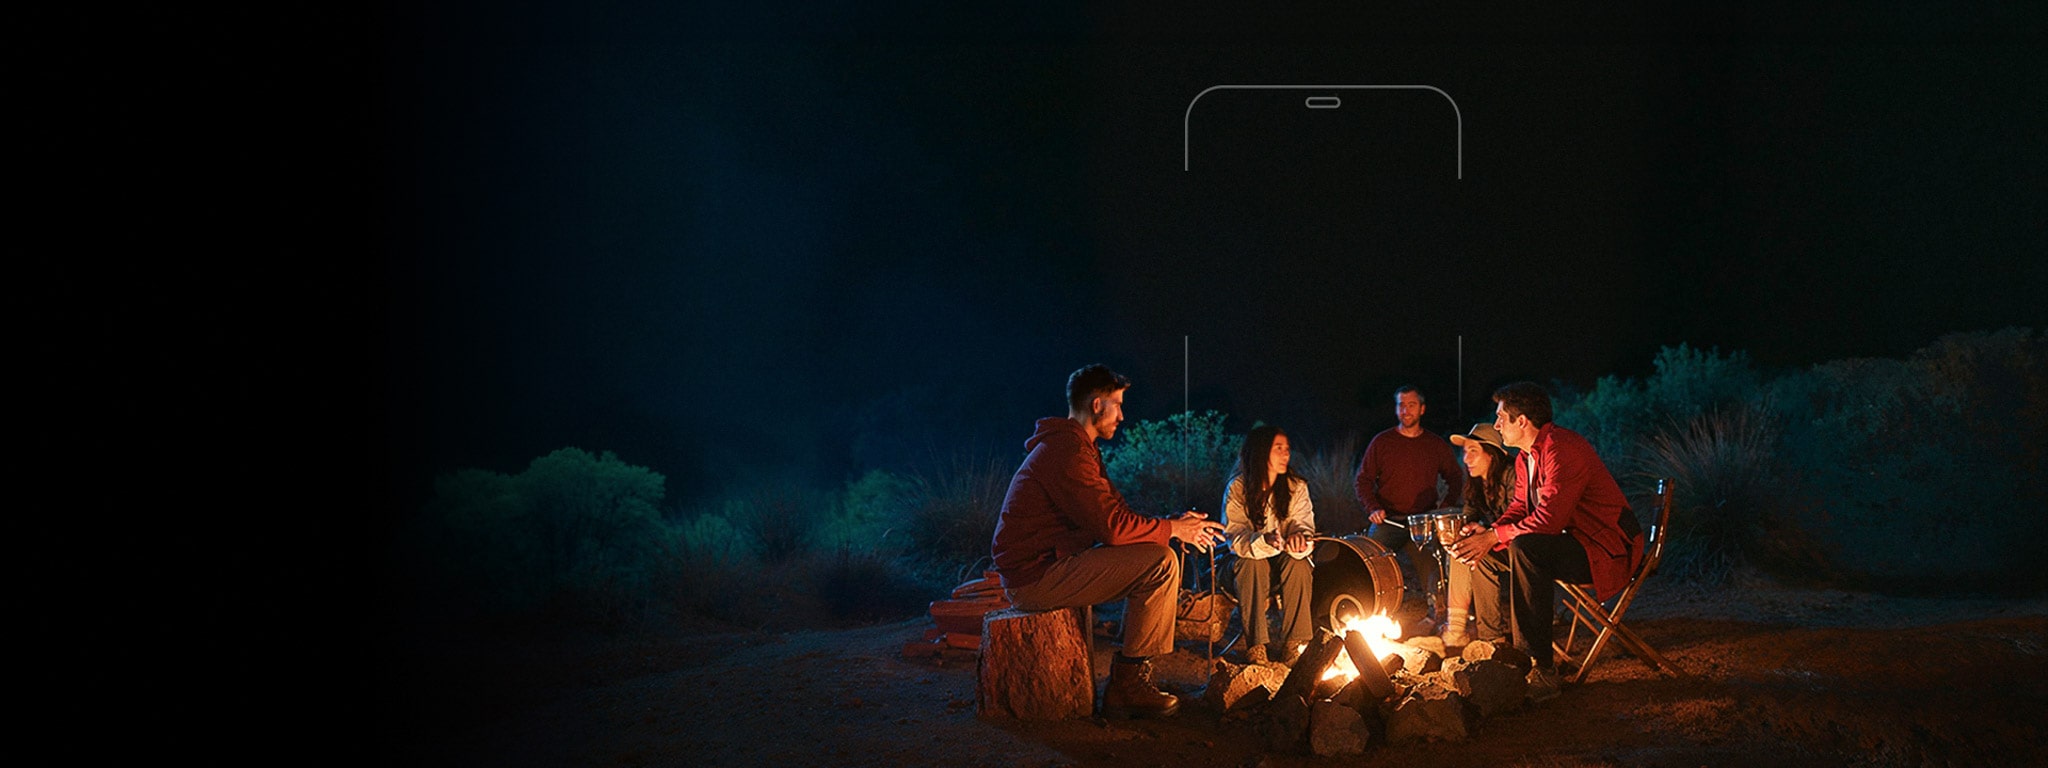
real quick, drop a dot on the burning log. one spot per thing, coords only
(1308, 670)
(1373, 675)
(1035, 665)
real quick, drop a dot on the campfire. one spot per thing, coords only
(1378, 633)
(1367, 685)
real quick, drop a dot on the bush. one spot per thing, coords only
(1921, 464)
(1618, 414)
(1332, 475)
(952, 512)
(1181, 463)
(1728, 505)
(576, 533)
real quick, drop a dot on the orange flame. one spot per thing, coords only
(1380, 633)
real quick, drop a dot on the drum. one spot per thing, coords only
(1355, 578)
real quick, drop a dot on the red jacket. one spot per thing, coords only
(1060, 502)
(1576, 495)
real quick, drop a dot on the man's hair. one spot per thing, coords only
(1091, 382)
(1407, 388)
(1525, 398)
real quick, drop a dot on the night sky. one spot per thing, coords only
(735, 245)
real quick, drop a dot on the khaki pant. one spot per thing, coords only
(1254, 585)
(1146, 576)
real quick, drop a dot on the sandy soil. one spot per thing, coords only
(1772, 677)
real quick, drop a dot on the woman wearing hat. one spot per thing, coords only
(1486, 494)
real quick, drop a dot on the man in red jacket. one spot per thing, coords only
(1067, 539)
(1567, 520)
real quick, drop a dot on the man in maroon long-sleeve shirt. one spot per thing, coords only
(1067, 539)
(1398, 477)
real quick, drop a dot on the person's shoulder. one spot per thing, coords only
(1296, 482)
(1056, 432)
(1389, 433)
(1561, 438)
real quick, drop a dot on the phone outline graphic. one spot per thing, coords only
(1320, 97)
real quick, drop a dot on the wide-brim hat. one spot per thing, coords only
(1481, 433)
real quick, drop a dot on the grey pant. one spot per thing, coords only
(1255, 584)
(1146, 576)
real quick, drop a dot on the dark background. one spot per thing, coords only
(278, 270)
(736, 244)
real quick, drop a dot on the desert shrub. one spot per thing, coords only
(872, 509)
(781, 518)
(576, 533)
(854, 585)
(1728, 502)
(1617, 414)
(1180, 463)
(1332, 483)
(952, 512)
(1929, 470)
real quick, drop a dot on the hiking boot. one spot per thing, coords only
(1544, 684)
(1256, 655)
(1287, 653)
(1131, 693)
(1455, 637)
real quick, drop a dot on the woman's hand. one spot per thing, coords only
(1297, 543)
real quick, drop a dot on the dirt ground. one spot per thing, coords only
(1772, 676)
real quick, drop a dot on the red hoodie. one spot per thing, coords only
(1060, 502)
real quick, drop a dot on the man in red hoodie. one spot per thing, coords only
(1567, 520)
(1067, 539)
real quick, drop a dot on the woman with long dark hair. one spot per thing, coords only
(1270, 523)
(1491, 483)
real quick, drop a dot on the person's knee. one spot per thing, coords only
(1165, 565)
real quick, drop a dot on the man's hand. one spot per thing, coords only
(1468, 550)
(1197, 530)
(1377, 516)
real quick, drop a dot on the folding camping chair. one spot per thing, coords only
(1588, 611)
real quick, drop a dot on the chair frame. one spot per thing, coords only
(1588, 610)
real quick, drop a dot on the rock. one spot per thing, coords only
(1431, 643)
(1234, 686)
(1493, 686)
(1285, 724)
(1420, 661)
(1453, 664)
(1431, 712)
(1335, 729)
(1481, 650)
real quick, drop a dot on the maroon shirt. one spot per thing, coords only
(1398, 474)
(1060, 502)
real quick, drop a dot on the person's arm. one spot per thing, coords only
(1237, 528)
(1301, 515)
(1368, 485)
(1557, 497)
(1081, 490)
